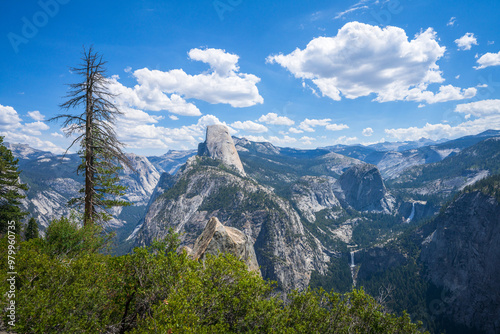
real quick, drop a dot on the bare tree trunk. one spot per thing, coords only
(89, 156)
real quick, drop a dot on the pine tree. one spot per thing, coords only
(31, 230)
(10, 189)
(101, 152)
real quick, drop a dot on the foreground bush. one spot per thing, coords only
(65, 285)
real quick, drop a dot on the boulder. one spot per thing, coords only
(217, 238)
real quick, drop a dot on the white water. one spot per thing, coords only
(412, 214)
(352, 260)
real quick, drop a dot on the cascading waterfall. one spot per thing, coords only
(353, 269)
(412, 214)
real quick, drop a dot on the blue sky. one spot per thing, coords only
(298, 73)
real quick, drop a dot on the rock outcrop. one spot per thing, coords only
(364, 189)
(217, 238)
(219, 145)
(313, 194)
(462, 257)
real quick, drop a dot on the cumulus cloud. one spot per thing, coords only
(466, 41)
(250, 126)
(152, 136)
(285, 140)
(257, 139)
(488, 59)
(487, 113)
(35, 128)
(57, 135)
(36, 115)
(168, 90)
(452, 21)
(15, 131)
(308, 125)
(295, 130)
(173, 117)
(367, 132)
(363, 59)
(273, 118)
(307, 140)
(336, 127)
(480, 108)
(9, 119)
(344, 140)
(151, 98)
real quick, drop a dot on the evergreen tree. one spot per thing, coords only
(101, 152)
(31, 230)
(10, 189)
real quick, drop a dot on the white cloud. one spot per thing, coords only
(421, 105)
(344, 140)
(336, 127)
(295, 130)
(488, 59)
(307, 140)
(350, 10)
(363, 59)
(173, 117)
(367, 132)
(16, 132)
(257, 139)
(35, 128)
(480, 108)
(466, 41)
(440, 131)
(127, 69)
(151, 98)
(282, 141)
(144, 135)
(9, 119)
(32, 141)
(57, 135)
(220, 61)
(452, 21)
(486, 112)
(36, 115)
(309, 124)
(273, 118)
(223, 83)
(250, 126)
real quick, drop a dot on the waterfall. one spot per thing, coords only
(352, 260)
(412, 214)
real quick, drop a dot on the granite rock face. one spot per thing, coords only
(219, 145)
(313, 194)
(217, 238)
(285, 250)
(462, 257)
(364, 189)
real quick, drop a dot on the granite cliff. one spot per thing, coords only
(206, 187)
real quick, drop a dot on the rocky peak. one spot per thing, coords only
(217, 238)
(364, 188)
(219, 145)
